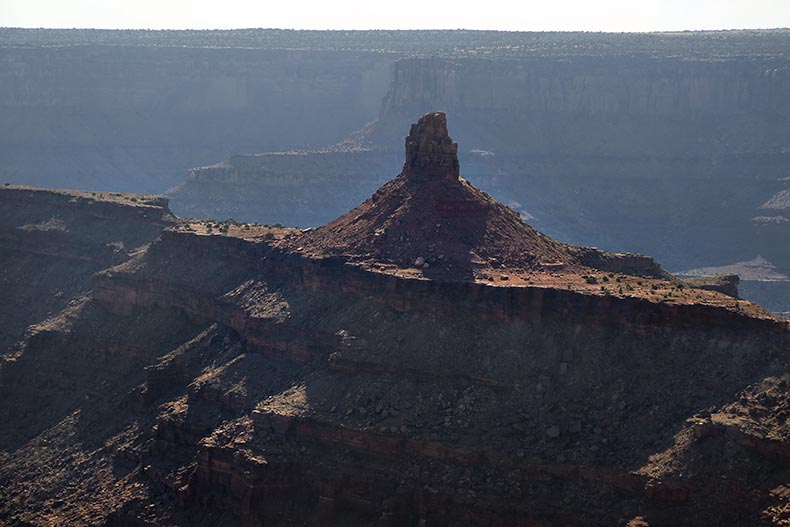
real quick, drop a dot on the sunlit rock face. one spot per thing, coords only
(429, 150)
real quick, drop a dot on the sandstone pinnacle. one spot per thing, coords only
(429, 218)
(429, 150)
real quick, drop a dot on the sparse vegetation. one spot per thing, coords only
(443, 43)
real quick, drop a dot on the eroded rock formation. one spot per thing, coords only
(431, 219)
(51, 243)
(429, 150)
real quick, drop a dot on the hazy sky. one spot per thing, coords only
(587, 15)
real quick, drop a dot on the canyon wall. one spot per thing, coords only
(51, 243)
(135, 118)
(163, 282)
(599, 106)
(222, 379)
(302, 189)
(577, 143)
(313, 453)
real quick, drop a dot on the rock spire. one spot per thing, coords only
(430, 153)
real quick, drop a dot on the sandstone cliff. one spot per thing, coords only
(53, 241)
(135, 118)
(301, 189)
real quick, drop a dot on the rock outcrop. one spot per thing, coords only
(726, 283)
(51, 243)
(430, 153)
(431, 219)
(428, 214)
(135, 117)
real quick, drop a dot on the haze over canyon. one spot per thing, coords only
(394, 278)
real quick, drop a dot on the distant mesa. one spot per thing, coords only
(756, 269)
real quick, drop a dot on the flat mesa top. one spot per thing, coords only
(123, 198)
(486, 44)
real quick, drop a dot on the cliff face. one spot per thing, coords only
(297, 188)
(556, 103)
(263, 387)
(53, 241)
(136, 118)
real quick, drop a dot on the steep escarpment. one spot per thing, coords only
(314, 372)
(541, 97)
(622, 128)
(304, 189)
(53, 241)
(314, 379)
(261, 375)
(136, 118)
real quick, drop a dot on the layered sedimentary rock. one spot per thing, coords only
(237, 374)
(52, 242)
(135, 119)
(726, 283)
(295, 189)
(431, 216)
